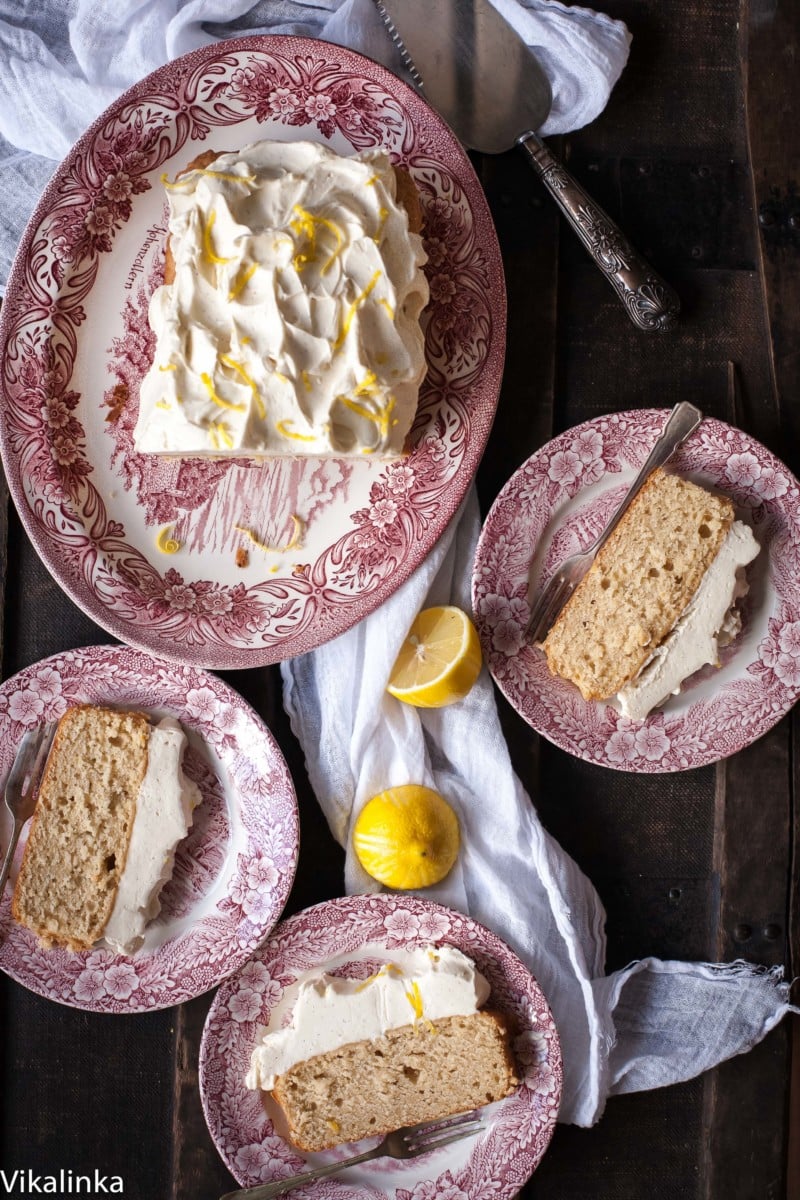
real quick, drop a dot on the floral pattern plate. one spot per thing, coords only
(75, 344)
(557, 503)
(232, 872)
(354, 936)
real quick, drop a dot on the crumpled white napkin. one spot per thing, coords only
(63, 63)
(652, 1024)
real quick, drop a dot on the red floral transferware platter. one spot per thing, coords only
(76, 344)
(354, 936)
(557, 503)
(234, 869)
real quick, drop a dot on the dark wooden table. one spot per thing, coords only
(698, 156)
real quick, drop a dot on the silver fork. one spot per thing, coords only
(403, 1143)
(21, 785)
(682, 421)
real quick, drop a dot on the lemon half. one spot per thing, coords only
(407, 837)
(439, 661)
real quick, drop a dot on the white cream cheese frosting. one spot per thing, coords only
(708, 622)
(164, 809)
(292, 325)
(427, 984)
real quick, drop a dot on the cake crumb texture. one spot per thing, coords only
(638, 586)
(82, 825)
(420, 1072)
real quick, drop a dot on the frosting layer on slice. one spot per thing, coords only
(709, 621)
(164, 809)
(425, 985)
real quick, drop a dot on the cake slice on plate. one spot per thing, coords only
(409, 1044)
(113, 804)
(657, 602)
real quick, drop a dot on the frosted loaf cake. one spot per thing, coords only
(291, 325)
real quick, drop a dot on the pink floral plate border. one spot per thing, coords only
(558, 502)
(352, 935)
(76, 343)
(233, 871)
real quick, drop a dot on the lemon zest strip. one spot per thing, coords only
(220, 433)
(299, 530)
(209, 386)
(169, 367)
(163, 404)
(284, 430)
(207, 247)
(256, 541)
(240, 370)
(240, 283)
(306, 223)
(383, 213)
(351, 312)
(166, 543)
(381, 418)
(414, 998)
(290, 545)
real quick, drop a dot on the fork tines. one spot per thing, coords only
(29, 760)
(433, 1134)
(547, 608)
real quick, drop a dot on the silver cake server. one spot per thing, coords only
(478, 73)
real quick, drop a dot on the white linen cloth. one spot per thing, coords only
(652, 1024)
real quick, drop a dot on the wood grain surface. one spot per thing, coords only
(698, 157)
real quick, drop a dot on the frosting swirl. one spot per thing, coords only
(292, 324)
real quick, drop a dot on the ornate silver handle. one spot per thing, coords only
(650, 302)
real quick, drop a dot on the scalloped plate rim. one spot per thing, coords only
(540, 719)
(351, 906)
(111, 655)
(226, 658)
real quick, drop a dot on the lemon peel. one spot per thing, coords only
(298, 529)
(166, 543)
(407, 837)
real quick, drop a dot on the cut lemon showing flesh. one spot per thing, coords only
(407, 837)
(439, 661)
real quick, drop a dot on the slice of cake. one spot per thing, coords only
(654, 605)
(289, 320)
(113, 804)
(409, 1044)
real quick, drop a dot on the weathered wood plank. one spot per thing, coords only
(769, 54)
(196, 1168)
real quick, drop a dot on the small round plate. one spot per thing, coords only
(352, 936)
(75, 344)
(232, 872)
(557, 503)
